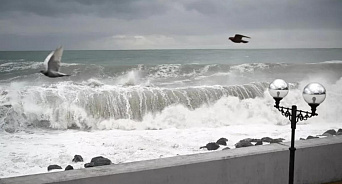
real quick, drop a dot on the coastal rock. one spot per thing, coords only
(51, 167)
(222, 141)
(330, 132)
(211, 146)
(247, 139)
(339, 132)
(69, 167)
(278, 140)
(243, 143)
(256, 140)
(91, 164)
(226, 148)
(258, 143)
(312, 137)
(77, 158)
(266, 139)
(100, 160)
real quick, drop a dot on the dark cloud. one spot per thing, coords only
(116, 24)
(43, 42)
(129, 9)
(272, 14)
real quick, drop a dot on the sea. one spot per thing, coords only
(133, 105)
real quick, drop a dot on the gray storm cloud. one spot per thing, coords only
(159, 24)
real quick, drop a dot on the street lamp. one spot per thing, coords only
(313, 94)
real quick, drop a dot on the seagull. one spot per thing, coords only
(52, 64)
(238, 38)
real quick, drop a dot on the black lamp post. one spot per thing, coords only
(313, 94)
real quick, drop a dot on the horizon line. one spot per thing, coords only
(176, 49)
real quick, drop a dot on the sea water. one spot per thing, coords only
(136, 105)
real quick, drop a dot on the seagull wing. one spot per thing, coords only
(241, 36)
(54, 62)
(47, 59)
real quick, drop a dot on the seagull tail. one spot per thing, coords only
(63, 74)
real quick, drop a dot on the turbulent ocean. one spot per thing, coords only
(147, 104)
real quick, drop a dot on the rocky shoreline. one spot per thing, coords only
(220, 143)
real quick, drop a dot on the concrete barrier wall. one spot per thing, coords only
(317, 161)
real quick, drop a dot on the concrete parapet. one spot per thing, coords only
(316, 161)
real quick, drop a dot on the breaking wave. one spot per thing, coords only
(66, 105)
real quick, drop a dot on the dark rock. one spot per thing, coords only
(278, 140)
(77, 158)
(256, 140)
(266, 139)
(222, 141)
(302, 139)
(312, 137)
(91, 164)
(211, 146)
(339, 132)
(51, 167)
(226, 148)
(258, 143)
(327, 134)
(243, 143)
(247, 139)
(331, 132)
(98, 161)
(69, 167)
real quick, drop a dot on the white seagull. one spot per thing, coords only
(52, 64)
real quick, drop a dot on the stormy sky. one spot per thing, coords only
(174, 24)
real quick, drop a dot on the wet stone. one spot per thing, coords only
(222, 141)
(77, 158)
(52, 167)
(211, 146)
(69, 167)
(330, 132)
(243, 143)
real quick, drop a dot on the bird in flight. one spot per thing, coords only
(52, 64)
(238, 38)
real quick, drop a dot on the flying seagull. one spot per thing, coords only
(238, 38)
(52, 64)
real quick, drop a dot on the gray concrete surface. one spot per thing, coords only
(317, 161)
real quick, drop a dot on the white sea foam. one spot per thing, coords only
(15, 66)
(333, 61)
(249, 67)
(30, 152)
(165, 71)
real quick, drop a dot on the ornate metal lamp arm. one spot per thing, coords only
(300, 115)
